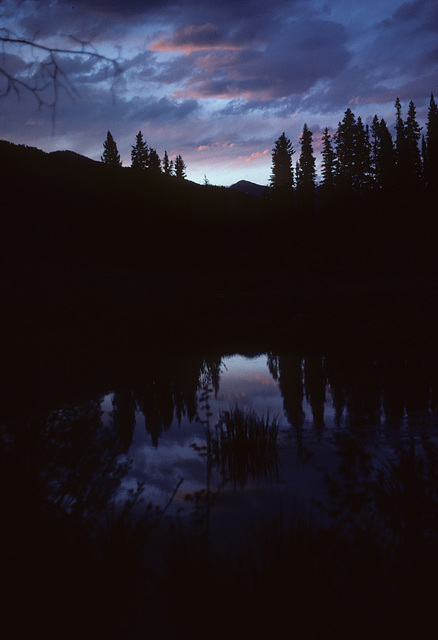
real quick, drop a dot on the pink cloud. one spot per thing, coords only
(216, 145)
(195, 38)
(255, 155)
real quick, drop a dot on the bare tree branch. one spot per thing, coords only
(45, 78)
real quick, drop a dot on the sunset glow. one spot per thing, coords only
(195, 75)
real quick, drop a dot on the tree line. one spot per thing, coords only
(359, 159)
(144, 157)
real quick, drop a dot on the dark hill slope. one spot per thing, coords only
(108, 254)
(66, 205)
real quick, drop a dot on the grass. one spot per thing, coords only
(244, 446)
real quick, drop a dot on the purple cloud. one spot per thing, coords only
(225, 77)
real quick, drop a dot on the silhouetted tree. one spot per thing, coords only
(401, 151)
(306, 173)
(167, 165)
(154, 162)
(382, 155)
(431, 146)
(110, 154)
(362, 162)
(180, 168)
(328, 165)
(412, 133)
(345, 150)
(282, 176)
(139, 153)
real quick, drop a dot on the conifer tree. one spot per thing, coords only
(431, 146)
(110, 154)
(167, 165)
(328, 164)
(362, 161)
(345, 151)
(139, 153)
(382, 155)
(282, 171)
(401, 152)
(413, 135)
(180, 168)
(305, 172)
(154, 165)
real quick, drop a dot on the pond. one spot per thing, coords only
(177, 457)
(315, 401)
(224, 448)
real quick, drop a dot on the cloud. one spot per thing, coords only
(215, 145)
(255, 156)
(196, 37)
(300, 54)
(219, 81)
(159, 110)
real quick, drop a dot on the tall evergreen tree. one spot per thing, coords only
(413, 135)
(328, 164)
(306, 173)
(345, 151)
(139, 153)
(401, 150)
(180, 168)
(382, 155)
(110, 154)
(167, 165)
(282, 176)
(362, 161)
(154, 162)
(431, 150)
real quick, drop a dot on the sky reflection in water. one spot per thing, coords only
(247, 383)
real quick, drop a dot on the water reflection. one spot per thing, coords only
(349, 436)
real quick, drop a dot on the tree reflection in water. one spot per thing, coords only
(66, 541)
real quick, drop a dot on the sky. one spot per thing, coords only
(216, 81)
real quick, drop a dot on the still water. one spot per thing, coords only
(325, 500)
(318, 403)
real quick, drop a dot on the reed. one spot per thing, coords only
(244, 446)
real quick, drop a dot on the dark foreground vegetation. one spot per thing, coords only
(101, 261)
(87, 245)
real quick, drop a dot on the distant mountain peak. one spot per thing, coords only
(251, 188)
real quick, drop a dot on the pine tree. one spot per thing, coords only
(431, 150)
(167, 165)
(154, 162)
(305, 172)
(382, 156)
(345, 152)
(282, 171)
(362, 161)
(328, 164)
(139, 153)
(180, 168)
(110, 154)
(413, 135)
(401, 151)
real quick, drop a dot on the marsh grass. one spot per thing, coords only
(244, 446)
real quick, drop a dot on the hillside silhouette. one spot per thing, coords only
(117, 281)
(100, 249)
